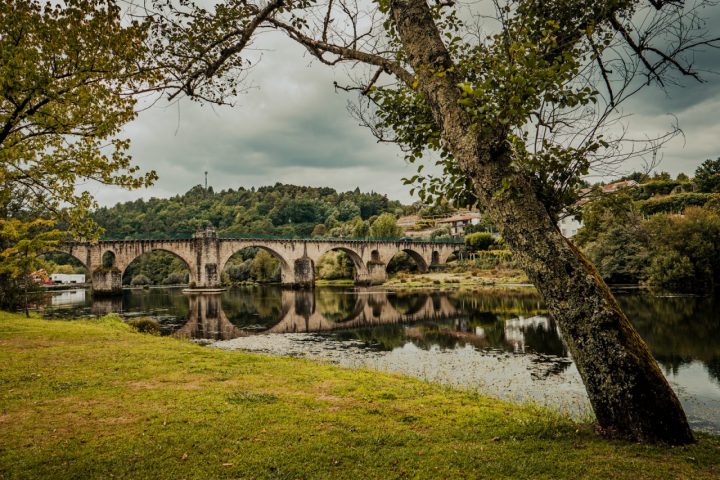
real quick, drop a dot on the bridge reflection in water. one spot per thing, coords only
(301, 313)
(436, 318)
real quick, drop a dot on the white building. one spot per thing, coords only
(458, 222)
(67, 277)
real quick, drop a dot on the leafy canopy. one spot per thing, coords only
(707, 176)
(67, 72)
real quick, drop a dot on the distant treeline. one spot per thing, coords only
(283, 210)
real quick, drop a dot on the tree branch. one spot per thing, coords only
(228, 52)
(318, 47)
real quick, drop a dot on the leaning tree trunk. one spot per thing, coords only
(628, 392)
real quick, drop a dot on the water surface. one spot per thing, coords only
(500, 342)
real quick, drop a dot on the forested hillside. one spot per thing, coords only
(283, 210)
(659, 231)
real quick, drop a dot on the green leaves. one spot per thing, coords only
(67, 72)
(28, 240)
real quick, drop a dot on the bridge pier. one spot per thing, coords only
(106, 281)
(303, 273)
(377, 272)
(207, 250)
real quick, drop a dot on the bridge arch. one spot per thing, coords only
(83, 261)
(356, 258)
(123, 263)
(417, 258)
(361, 270)
(286, 270)
(108, 259)
(457, 253)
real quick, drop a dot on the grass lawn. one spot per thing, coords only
(93, 399)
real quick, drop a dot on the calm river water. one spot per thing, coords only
(499, 342)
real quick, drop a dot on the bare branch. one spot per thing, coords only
(318, 47)
(228, 52)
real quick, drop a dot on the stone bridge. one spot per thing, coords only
(206, 256)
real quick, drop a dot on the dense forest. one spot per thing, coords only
(663, 232)
(281, 210)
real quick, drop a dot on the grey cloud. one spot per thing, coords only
(292, 127)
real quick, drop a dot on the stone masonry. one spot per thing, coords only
(206, 255)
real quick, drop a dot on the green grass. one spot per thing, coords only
(91, 399)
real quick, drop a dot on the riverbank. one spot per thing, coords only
(463, 279)
(90, 399)
(444, 279)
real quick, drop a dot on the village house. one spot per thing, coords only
(458, 222)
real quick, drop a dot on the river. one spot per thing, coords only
(500, 342)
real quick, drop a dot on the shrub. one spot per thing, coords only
(479, 241)
(669, 269)
(319, 230)
(265, 267)
(140, 279)
(673, 203)
(176, 278)
(145, 325)
(334, 266)
(654, 187)
(621, 254)
(440, 233)
(239, 272)
(695, 235)
(493, 259)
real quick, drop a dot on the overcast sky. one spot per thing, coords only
(293, 127)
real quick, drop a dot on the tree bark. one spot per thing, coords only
(629, 394)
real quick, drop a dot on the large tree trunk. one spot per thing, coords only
(627, 390)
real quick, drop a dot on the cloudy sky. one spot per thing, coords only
(293, 127)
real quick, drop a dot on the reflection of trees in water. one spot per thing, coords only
(155, 299)
(383, 337)
(336, 305)
(457, 333)
(256, 307)
(677, 329)
(407, 303)
(503, 303)
(546, 341)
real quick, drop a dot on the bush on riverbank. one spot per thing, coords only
(145, 325)
(90, 399)
(680, 252)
